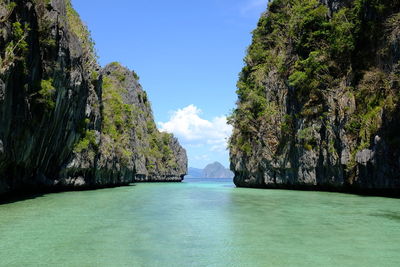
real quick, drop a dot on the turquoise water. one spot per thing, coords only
(204, 223)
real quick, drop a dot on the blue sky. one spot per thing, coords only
(188, 55)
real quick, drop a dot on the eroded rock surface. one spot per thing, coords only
(53, 107)
(318, 103)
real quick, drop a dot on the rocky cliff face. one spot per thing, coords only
(319, 98)
(126, 145)
(58, 126)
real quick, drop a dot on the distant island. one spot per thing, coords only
(213, 170)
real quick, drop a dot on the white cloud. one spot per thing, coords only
(193, 130)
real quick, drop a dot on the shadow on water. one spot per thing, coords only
(388, 215)
(362, 192)
(34, 193)
(17, 197)
(367, 193)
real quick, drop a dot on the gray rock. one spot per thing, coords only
(45, 133)
(335, 5)
(43, 136)
(109, 160)
(345, 158)
(365, 156)
(309, 143)
(377, 139)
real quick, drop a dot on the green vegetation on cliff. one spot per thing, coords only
(128, 133)
(121, 119)
(82, 32)
(117, 119)
(306, 58)
(64, 121)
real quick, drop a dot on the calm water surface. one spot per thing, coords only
(200, 223)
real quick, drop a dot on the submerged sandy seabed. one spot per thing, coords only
(201, 223)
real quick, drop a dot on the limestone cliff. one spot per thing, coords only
(126, 146)
(64, 122)
(318, 99)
